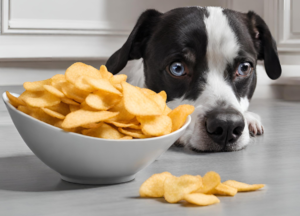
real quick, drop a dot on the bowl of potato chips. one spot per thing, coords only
(95, 128)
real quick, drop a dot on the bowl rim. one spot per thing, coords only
(6, 101)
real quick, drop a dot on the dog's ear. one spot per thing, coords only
(135, 45)
(265, 45)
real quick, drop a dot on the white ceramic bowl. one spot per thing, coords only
(88, 160)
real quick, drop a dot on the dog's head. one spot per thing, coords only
(205, 57)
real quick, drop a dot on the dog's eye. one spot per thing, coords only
(244, 69)
(177, 69)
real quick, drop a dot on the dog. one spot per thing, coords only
(205, 57)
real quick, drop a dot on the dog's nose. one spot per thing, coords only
(224, 126)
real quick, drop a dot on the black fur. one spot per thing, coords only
(172, 35)
(136, 42)
(265, 45)
(161, 39)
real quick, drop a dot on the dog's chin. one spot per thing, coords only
(197, 140)
(210, 146)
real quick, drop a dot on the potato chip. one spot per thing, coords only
(34, 109)
(105, 131)
(69, 101)
(81, 84)
(39, 98)
(25, 94)
(53, 113)
(157, 98)
(117, 79)
(103, 85)
(201, 199)
(224, 190)
(167, 110)
(85, 106)
(123, 115)
(74, 93)
(61, 108)
(104, 73)
(189, 188)
(137, 103)
(16, 101)
(119, 87)
(198, 176)
(86, 131)
(175, 188)
(51, 89)
(147, 92)
(242, 187)
(37, 85)
(133, 121)
(102, 100)
(92, 125)
(24, 109)
(163, 94)
(57, 81)
(133, 132)
(155, 125)
(84, 98)
(80, 69)
(58, 78)
(134, 126)
(124, 124)
(88, 128)
(179, 115)
(82, 117)
(39, 114)
(210, 181)
(59, 123)
(13, 104)
(154, 186)
(74, 108)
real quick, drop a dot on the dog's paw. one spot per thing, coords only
(254, 124)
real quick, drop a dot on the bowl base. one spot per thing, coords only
(98, 181)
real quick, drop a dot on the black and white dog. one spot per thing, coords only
(205, 57)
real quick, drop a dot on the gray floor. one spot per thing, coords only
(28, 187)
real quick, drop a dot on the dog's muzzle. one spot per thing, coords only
(224, 126)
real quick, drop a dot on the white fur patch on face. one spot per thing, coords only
(222, 49)
(222, 45)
